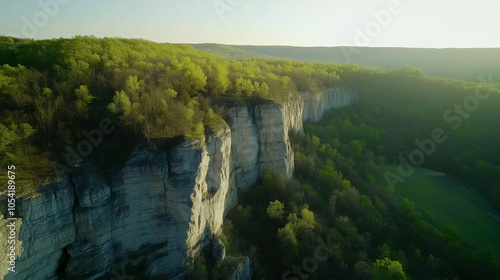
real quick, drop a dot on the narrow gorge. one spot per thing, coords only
(165, 205)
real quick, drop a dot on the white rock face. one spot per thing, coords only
(47, 227)
(166, 203)
(162, 207)
(315, 105)
(243, 164)
(259, 134)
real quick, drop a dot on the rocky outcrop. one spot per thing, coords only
(263, 127)
(47, 228)
(162, 207)
(293, 109)
(237, 268)
(218, 250)
(316, 104)
(166, 203)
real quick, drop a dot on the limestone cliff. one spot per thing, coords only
(150, 216)
(263, 128)
(316, 104)
(162, 206)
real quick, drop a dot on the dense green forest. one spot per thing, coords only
(462, 64)
(334, 220)
(340, 200)
(410, 107)
(52, 89)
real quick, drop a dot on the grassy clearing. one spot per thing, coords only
(452, 202)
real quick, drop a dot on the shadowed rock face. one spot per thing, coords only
(165, 204)
(47, 227)
(263, 131)
(315, 105)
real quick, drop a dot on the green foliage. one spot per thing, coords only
(200, 269)
(134, 88)
(262, 90)
(243, 87)
(385, 269)
(121, 104)
(242, 216)
(356, 148)
(8, 137)
(339, 165)
(406, 92)
(451, 232)
(217, 78)
(286, 237)
(52, 89)
(275, 210)
(307, 216)
(59, 82)
(385, 251)
(83, 98)
(214, 121)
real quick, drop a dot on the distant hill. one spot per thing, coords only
(229, 51)
(463, 64)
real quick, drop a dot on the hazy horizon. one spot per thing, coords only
(320, 23)
(244, 140)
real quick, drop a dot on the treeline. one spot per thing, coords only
(51, 89)
(334, 220)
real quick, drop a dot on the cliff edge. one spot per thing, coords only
(167, 203)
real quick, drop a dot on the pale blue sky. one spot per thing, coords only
(412, 23)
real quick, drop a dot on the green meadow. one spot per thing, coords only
(452, 202)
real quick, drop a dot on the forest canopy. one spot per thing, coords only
(52, 92)
(51, 89)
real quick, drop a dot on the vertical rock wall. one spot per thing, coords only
(166, 203)
(316, 104)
